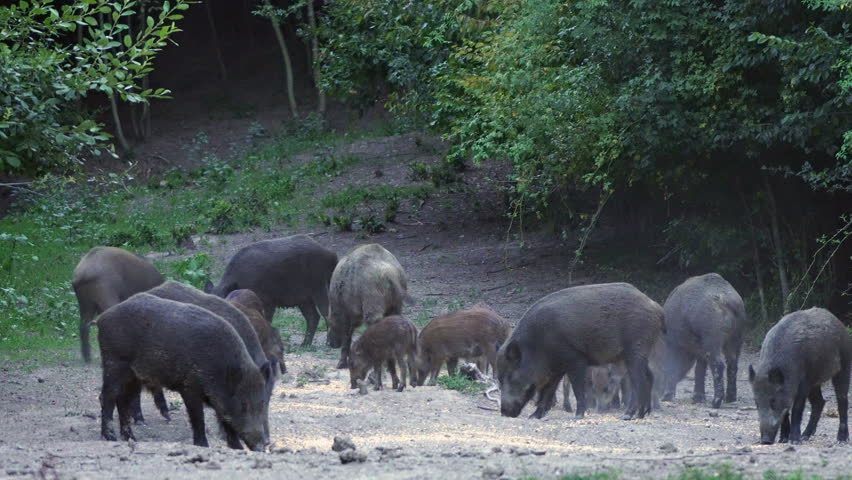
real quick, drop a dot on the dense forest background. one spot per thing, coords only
(710, 135)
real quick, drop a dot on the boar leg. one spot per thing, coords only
(412, 370)
(640, 375)
(566, 394)
(160, 402)
(403, 366)
(124, 402)
(452, 363)
(546, 397)
(309, 311)
(195, 411)
(231, 436)
(796, 418)
(115, 379)
(698, 395)
(345, 344)
(392, 371)
(732, 359)
(841, 391)
(785, 429)
(817, 403)
(717, 369)
(377, 368)
(578, 383)
(136, 410)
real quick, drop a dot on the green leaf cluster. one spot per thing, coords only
(44, 74)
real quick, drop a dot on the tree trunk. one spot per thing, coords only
(222, 70)
(755, 252)
(312, 21)
(779, 249)
(288, 67)
(119, 132)
(578, 253)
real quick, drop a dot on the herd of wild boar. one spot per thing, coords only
(609, 343)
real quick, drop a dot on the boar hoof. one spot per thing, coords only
(698, 398)
(109, 435)
(717, 403)
(342, 364)
(127, 434)
(842, 437)
(401, 388)
(730, 398)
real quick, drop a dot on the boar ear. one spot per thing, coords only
(751, 374)
(513, 353)
(208, 286)
(776, 376)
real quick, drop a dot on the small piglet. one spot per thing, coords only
(800, 353)
(157, 343)
(477, 332)
(392, 340)
(251, 305)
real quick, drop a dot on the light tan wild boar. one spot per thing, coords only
(270, 339)
(367, 285)
(392, 340)
(104, 277)
(477, 332)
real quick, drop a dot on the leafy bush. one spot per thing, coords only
(42, 75)
(460, 383)
(194, 270)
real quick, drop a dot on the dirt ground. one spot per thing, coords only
(455, 252)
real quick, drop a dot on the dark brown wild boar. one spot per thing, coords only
(104, 277)
(270, 338)
(570, 330)
(392, 340)
(179, 292)
(284, 272)
(477, 332)
(156, 343)
(367, 285)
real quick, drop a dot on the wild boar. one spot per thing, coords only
(603, 384)
(392, 340)
(270, 338)
(156, 343)
(705, 319)
(179, 292)
(284, 272)
(104, 277)
(367, 285)
(475, 332)
(570, 330)
(800, 353)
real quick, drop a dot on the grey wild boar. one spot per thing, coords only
(800, 353)
(392, 340)
(284, 272)
(705, 319)
(156, 343)
(104, 277)
(570, 330)
(476, 332)
(179, 292)
(270, 338)
(367, 285)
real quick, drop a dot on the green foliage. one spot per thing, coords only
(42, 76)
(460, 383)
(194, 270)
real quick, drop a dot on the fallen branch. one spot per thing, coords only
(498, 286)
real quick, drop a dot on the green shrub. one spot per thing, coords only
(194, 270)
(460, 383)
